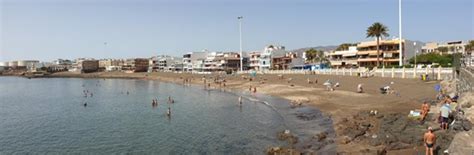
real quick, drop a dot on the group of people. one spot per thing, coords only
(154, 103)
(87, 93)
(445, 113)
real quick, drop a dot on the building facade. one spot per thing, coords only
(389, 52)
(345, 58)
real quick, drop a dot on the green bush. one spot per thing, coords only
(430, 58)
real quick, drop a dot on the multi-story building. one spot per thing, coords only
(168, 63)
(220, 61)
(254, 60)
(268, 53)
(288, 61)
(89, 66)
(430, 47)
(191, 58)
(445, 48)
(345, 58)
(389, 53)
(110, 64)
(141, 65)
(136, 65)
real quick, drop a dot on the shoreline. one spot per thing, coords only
(342, 105)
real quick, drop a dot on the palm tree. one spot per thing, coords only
(377, 30)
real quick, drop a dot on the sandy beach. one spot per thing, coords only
(341, 105)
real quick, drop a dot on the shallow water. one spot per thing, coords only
(48, 116)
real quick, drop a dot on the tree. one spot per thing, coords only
(377, 30)
(313, 55)
(470, 47)
(430, 58)
(344, 46)
(443, 49)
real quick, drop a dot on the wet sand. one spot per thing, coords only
(342, 103)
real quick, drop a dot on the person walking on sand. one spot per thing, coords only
(429, 138)
(359, 88)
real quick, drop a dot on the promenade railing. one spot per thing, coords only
(438, 73)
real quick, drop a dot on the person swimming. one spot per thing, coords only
(85, 104)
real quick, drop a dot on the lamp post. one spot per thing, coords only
(414, 44)
(400, 32)
(240, 34)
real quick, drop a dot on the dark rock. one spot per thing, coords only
(379, 116)
(308, 115)
(397, 146)
(321, 136)
(345, 140)
(365, 124)
(458, 126)
(467, 105)
(375, 142)
(467, 125)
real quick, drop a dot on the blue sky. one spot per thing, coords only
(50, 29)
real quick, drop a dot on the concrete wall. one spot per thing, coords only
(466, 80)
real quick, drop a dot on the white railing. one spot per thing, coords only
(432, 73)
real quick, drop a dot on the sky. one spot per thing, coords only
(50, 29)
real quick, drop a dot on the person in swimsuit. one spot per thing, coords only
(429, 139)
(425, 108)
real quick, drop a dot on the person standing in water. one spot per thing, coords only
(168, 112)
(240, 100)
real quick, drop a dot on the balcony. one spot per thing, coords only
(374, 52)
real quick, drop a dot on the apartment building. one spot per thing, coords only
(192, 59)
(222, 61)
(445, 48)
(344, 58)
(389, 53)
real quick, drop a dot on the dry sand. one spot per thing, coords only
(342, 103)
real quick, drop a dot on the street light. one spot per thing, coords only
(400, 32)
(240, 33)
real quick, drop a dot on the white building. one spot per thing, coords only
(166, 63)
(345, 58)
(270, 51)
(192, 58)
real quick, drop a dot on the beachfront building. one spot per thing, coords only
(222, 61)
(389, 53)
(168, 63)
(110, 65)
(445, 48)
(85, 65)
(192, 59)
(270, 51)
(344, 58)
(136, 65)
(290, 60)
(254, 60)
(89, 66)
